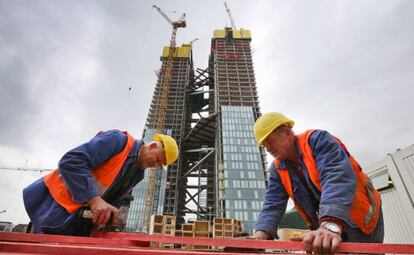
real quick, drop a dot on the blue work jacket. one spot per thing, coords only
(47, 216)
(338, 182)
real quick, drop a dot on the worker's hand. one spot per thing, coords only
(321, 241)
(103, 211)
(261, 235)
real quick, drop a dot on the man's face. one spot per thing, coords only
(278, 144)
(155, 155)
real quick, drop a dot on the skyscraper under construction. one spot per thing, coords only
(210, 112)
(166, 191)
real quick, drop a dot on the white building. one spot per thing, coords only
(393, 176)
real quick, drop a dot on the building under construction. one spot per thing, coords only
(218, 183)
(166, 196)
(210, 112)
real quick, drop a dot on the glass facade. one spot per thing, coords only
(136, 210)
(244, 180)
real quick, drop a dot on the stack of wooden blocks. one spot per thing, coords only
(226, 228)
(238, 228)
(187, 231)
(222, 228)
(201, 229)
(162, 225)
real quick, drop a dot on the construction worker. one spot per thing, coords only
(329, 190)
(99, 174)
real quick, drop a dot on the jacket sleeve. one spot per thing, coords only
(77, 164)
(337, 177)
(274, 205)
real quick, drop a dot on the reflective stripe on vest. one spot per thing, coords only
(366, 204)
(104, 175)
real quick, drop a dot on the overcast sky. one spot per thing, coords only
(66, 66)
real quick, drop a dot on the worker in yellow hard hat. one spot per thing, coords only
(328, 187)
(97, 176)
(170, 149)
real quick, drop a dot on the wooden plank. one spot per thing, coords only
(35, 248)
(43, 238)
(266, 244)
(115, 242)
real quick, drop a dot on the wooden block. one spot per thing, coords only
(201, 247)
(227, 221)
(201, 226)
(169, 232)
(162, 225)
(187, 227)
(228, 227)
(187, 231)
(156, 229)
(218, 227)
(218, 220)
(218, 233)
(202, 234)
(156, 244)
(188, 234)
(156, 224)
(228, 234)
(168, 246)
(169, 220)
(158, 218)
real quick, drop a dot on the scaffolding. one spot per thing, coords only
(227, 82)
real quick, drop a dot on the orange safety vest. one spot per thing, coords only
(104, 175)
(366, 204)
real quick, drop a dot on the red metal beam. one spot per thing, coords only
(132, 243)
(261, 244)
(37, 238)
(65, 249)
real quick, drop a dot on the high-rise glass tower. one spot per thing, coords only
(210, 112)
(240, 164)
(166, 183)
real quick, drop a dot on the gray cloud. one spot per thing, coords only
(345, 67)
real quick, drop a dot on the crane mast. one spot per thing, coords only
(166, 78)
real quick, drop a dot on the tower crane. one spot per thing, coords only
(233, 25)
(166, 74)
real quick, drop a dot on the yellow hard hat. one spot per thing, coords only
(268, 122)
(170, 147)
